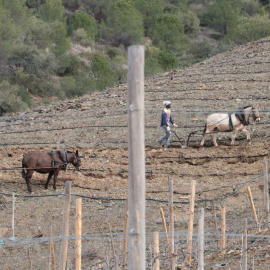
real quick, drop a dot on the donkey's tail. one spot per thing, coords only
(23, 171)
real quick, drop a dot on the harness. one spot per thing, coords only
(63, 156)
(230, 121)
(241, 117)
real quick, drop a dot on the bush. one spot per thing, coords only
(168, 32)
(125, 24)
(200, 50)
(10, 101)
(251, 29)
(82, 20)
(104, 75)
(67, 65)
(74, 87)
(152, 67)
(191, 23)
(167, 60)
(80, 36)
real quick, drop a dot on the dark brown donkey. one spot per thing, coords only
(51, 162)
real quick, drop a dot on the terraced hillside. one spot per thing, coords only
(96, 125)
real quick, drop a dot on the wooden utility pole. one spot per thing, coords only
(65, 231)
(136, 158)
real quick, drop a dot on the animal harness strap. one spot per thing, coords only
(241, 116)
(52, 153)
(230, 121)
(63, 156)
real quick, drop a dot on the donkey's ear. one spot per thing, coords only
(77, 153)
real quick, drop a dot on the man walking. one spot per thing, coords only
(166, 120)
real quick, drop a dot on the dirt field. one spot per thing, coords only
(96, 125)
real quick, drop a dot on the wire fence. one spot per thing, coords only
(27, 244)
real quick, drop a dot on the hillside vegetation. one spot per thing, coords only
(57, 49)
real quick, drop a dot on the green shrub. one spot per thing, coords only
(68, 65)
(25, 97)
(10, 101)
(200, 50)
(80, 36)
(151, 51)
(82, 20)
(125, 24)
(104, 75)
(74, 87)
(251, 29)
(167, 60)
(152, 67)
(167, 32)
(191, 23)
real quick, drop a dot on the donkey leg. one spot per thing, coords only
(28, 177)
(55, 178)
(234, 136)
(215, 139)
(206, 134)
(48, 179)
(248, 135)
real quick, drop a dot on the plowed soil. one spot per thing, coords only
(96, 125)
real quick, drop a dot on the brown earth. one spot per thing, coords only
(96, 125)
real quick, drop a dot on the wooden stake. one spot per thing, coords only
(201, 240)
(191, 219)
(116, 263)
(172, 258)
(111, 237)
(125, 242)
(215, 221)
(13, 216)
(30, 260)
(245, 245)
(156, 251)
(65, 233)
(52, 248)
(223, 230)
(78, 234)
(253, 208)
(164, 225)
(266, 190)
(136, 158)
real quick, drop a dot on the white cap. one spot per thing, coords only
(166, 103)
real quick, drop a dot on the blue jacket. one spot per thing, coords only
(164, 118)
